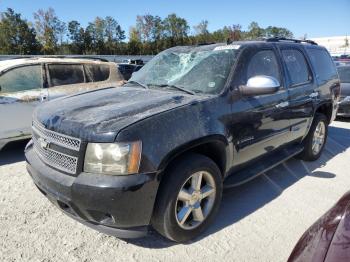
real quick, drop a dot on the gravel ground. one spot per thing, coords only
(259, 221)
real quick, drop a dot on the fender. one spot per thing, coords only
(220, 141)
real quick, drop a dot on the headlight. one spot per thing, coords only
(113, 159)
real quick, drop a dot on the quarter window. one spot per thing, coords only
(21, 79)
(65, 74)
(296, 66)
(323, 64)
(96, 73)
(263, 63)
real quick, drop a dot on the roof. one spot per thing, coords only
(5, 64)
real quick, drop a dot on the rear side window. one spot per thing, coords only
(297, 67)
(65, 74)
(323, 65)
(344, 74)
(96, 73)
(21, 79)
(263, 63)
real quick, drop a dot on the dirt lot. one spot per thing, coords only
(259, 221)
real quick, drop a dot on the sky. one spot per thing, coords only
(316, 18)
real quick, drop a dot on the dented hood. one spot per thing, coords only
(98, 116)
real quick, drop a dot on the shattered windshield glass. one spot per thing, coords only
(203, 69)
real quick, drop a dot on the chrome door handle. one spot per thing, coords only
(282, 104)
(314, 94)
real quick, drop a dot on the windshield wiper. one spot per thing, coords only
(178, 88)
(138, 83)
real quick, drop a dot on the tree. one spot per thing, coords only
(77, 37)
(255, 31)
(47, 26)
(16, 37)
(175, 29)
(201, 28)
(273, 31)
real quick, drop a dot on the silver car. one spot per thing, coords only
(25, 83)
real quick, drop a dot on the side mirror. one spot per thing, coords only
(260, 85)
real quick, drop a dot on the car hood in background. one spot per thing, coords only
(99, 115)
(329, 238)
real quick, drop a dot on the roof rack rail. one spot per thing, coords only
(89, 58)
(283, 39)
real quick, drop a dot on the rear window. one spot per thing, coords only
(296, 66)
(96, 73)
(323, 65)
(65, 74)
(344, 74)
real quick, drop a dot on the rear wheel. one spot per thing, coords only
(316, 138)
(188, 199)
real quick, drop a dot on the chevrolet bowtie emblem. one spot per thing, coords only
(43, 143)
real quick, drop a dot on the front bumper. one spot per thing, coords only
(121, 206)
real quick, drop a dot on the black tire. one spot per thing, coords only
(307, 154)
(164, 218)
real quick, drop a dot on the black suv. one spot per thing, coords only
(158, 152)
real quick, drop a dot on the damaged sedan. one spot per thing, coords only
(27, 82)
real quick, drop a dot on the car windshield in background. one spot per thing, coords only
(203, 69)
(344, 74)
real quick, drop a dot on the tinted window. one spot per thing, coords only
(63, 74)
(344, 74)
(323, 64)
(263, 63)
(96, 73)
(296, 66)
(21, 79)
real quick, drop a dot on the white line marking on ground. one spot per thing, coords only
(337, 143)
(305, 166)
(279, 189)
(290, 171)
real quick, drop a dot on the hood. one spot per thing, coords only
(99, 115)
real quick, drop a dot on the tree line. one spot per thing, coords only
(48, 35)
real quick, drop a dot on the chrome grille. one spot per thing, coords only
(58, 139)
(42, 139)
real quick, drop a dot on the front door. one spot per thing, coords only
(260, 123)
(21, 91)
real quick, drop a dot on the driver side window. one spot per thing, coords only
(263, 63)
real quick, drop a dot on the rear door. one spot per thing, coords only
(66, 79)
(302, 90)
(21, 91)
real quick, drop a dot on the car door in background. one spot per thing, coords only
(65, 79)
(21, 91)
(302, 90)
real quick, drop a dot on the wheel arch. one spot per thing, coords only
(326, 109)
(213, 147)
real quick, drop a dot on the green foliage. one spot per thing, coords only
(150, 35)
(16, 36)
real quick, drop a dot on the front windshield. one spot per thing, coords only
(203, 69)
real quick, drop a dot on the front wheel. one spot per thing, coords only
(189, 198)
(316, 138)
